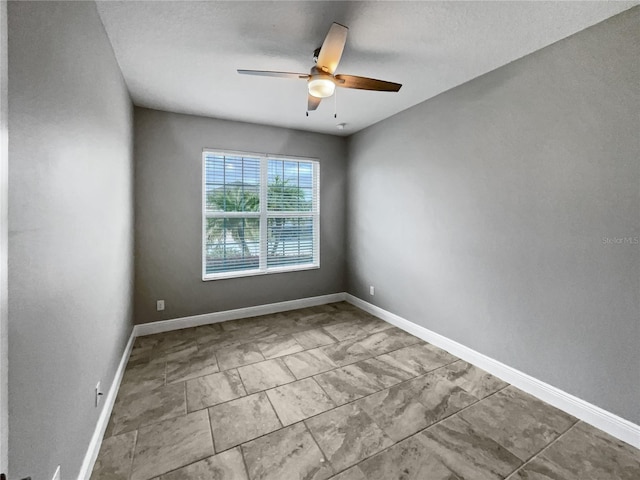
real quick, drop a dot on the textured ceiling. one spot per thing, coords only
(182, 56)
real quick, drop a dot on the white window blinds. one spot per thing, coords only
(260, 214)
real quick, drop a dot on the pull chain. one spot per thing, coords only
(335, 104)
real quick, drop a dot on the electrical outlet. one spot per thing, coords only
(160, 305)
(372, 290)
(56, 476)
(99, 394)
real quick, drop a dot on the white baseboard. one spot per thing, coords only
(103, 420)
(208, 318)
(606, 421)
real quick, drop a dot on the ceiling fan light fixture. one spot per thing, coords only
(321, 87)
(321, 79)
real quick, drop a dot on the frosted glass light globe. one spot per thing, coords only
(321, 87)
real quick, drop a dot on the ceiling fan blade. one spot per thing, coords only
(364, 83)
(312, 102)
(268, 73)
(332, 47)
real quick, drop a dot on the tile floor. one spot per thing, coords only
(331, 392)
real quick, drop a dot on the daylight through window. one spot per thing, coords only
(260, 214)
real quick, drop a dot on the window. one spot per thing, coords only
(260, 214)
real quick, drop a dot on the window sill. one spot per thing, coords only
(255, 273)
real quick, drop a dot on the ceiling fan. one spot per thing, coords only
(322, 80)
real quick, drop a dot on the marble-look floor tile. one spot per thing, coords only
(371, 324)
(202, 362)
(249, 324)
(541, 469)
(418, 359)
(290, 453)
(313, 338)
(483, 439)
(382, 373)
(238, 356)
(363, 320)
(142, 342)
(519, 422)
(351, 316)
(217, 340)
(180, 352)
(308, 363)
(143, 408)
(472, 379)
(363, 378)
(208, 334)
(168, 342)
(584, 453)
(347, 383)
(140, 355)
(171, 444)
(258, 328)
(224, 466)
(308, 311)
(440, 397)
(286, 325)
(407, 460)
(345, 331)
(344, 353)
(396, 411)
(347, 435)
(213, 389)
(241, 420)
(469, 453)
(313, 321)
(142, 378)
(388, 340)
(174, 345)
(264, 375)
(354, 473)
(299, 400)
(236, 339)
(231, 325)
(279, 346)
(344, 306)
(209, 329)
(115, 457)
(326, 308)
(451, 450)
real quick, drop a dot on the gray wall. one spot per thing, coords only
(480, 214)
(70, 231)
(168, 231)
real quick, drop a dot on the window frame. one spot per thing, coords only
(263, 215)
